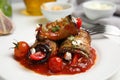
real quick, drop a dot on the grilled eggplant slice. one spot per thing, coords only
(76, 44)
(58, 30)
(48, 49)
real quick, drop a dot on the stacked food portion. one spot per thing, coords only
(61, 47)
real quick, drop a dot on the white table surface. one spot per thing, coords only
(24, 27)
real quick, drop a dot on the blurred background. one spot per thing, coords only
(78, 10)
(73, 0)
(78, 2)
(16, 0)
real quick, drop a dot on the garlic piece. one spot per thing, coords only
(6, 25)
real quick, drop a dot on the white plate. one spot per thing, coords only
(107, 63)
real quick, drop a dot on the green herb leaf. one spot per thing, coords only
(55, 28)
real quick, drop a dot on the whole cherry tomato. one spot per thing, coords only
(21, 49)
(79, 22)
(55, 64)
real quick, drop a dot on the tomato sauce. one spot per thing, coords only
(43, 69)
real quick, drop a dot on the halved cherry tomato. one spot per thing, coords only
(55, 64)
(37, 56)
(21, 49)
(79, 22)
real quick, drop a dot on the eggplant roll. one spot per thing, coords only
(76, 44)
(48, 48)
(60, 29)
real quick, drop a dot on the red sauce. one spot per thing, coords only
(44, 70)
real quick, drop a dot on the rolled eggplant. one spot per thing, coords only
(41, 51)
(57, 30)
(76, 44)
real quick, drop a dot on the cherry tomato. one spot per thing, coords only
(21, 49)
(37, 56)
(79, 22)
(55, 64)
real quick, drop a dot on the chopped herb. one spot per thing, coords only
(55, 28)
